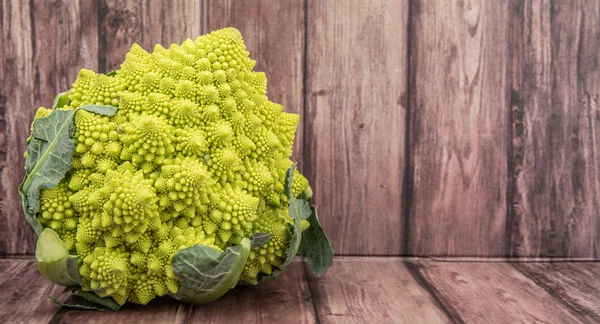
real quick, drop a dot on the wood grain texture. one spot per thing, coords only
(145, 22)
(458, 128)
(42, 48)
(575, 284)
(283, 300)
(492, 293)
(355, 121)
(160, 310)
(24, 297)
(365, 291)
(274, 35)
(556, 128)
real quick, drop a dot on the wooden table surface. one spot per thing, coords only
(355, 290)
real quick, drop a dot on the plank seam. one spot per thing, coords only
(311, 292)
(408, 172)
(101, 59)
(305, 152)
(550, 292)
(449, 311)
(509, 145)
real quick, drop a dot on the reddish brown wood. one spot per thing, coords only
(145, 22)
(458, 128)
(24, 297)
(274, 35)
(41, 49)
(378, 291)
(556, 128)
(355, 121)
(285, 299)
(492, 293)
(575, 284)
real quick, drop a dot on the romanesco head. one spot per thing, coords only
(196, 154)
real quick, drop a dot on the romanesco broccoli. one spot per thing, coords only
(195, 154)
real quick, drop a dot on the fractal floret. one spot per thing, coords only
(171, 175)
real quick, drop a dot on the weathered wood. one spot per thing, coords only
(274, 35)
(24, 297)
(365, 291)
(575, 284)
(458, 128)
(145, 22)
(285, 299)
(355, 121)
(556, 128)
(16, 112)
(65, 40)
(160, 310)
(41, 52)
(491, 293)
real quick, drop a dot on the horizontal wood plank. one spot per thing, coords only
(285, 299)
(492, 293)
(24, 297)
(372, 292)
(575, 284)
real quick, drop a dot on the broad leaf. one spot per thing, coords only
(259, 239)
(206, 274)
(111, 73)
(315, 246)
(87, 301)
(61, 100)
(289, 179)
(299, 209)
(53, 260)
(50, 156)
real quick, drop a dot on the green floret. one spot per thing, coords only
(195, 154)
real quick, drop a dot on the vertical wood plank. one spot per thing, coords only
(575, 284)
(283, 300)
(65, 40)
(355, 121)
(458, 128)
(16, 111)
(274, 35)
(42, 48)
(492, 293)
(366, 291)
(556, 129)
(145, 22)
(24, 297)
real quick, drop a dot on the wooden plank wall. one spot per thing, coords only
(430, 127)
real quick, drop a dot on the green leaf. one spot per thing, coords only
(106, 302)
(53, 260)
(206, 274)
(99, 109)
(77, 302)
(299, 209)
(289, 179)
(315, 246)
(111, 73)
(259, 239)
(61, 100)
(87, 301)
(50, 156)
